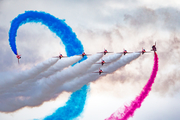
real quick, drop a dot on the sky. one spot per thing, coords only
(98, 24)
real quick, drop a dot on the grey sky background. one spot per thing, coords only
(114, 25)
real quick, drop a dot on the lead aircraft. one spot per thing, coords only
(154, 48)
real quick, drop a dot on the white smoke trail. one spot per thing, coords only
(77, 83)
(58, 66)
(70, 79)
(18, 78)
(122, 62)
(42, 90)
(66, 75)
(110, 58)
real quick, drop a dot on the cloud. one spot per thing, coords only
(6, 57)
(133, 37)
(165, 18)
(112, 27)
(141, 17)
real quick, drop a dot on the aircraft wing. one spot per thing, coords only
(107, 62)
(103, 52)
(84, 55)
(120, 52)
(138, 52)
(101, 63)
(148, 52)
(61, 57)
(97, 63)
(129, 52)
(56, 57)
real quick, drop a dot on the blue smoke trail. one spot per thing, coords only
(74, 106)
(68, 113)
(72, 45)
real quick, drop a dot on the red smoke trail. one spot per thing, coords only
(129, 110)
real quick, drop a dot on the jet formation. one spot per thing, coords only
(104, 52)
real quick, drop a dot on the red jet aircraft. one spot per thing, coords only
(154, 47)
(100, 71)
(60, 56)
(18, 57)
(84, 54)
(102, 62)
(125, 52)
(144, 51)
(105, 51)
